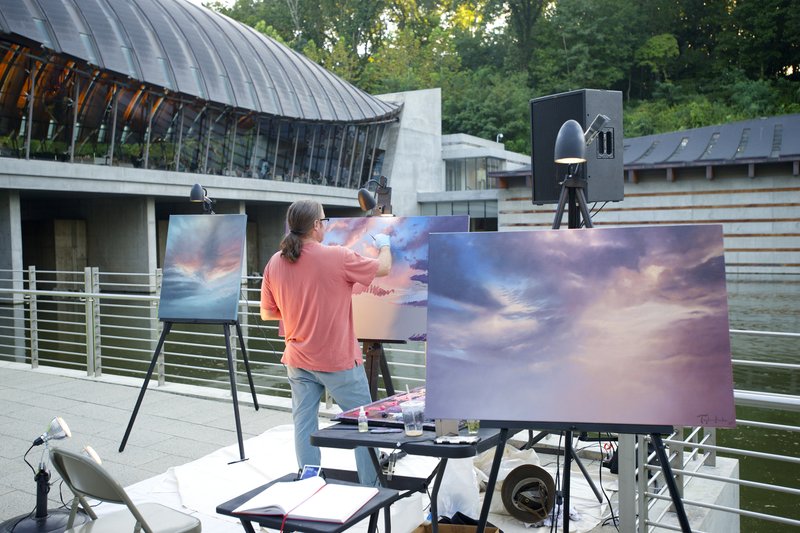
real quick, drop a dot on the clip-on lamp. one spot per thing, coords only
(42, 520)
(382, 201)
(200, 194)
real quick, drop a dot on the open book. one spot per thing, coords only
(309, 499)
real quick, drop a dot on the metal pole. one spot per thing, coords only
(34, 317)
(31, 98)
(74, 119)
(114, 105)
(626, 476)
(89, 329)
(180, 141)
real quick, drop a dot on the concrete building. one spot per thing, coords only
(127, 112)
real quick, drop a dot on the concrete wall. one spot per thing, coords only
(760, 216)
(414, 164)
(122, 235)
(10, 231)
(12, 312)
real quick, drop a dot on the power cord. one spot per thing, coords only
(32, 511)
(613, 517)
(559, 497)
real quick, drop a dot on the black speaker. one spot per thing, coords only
(603, 167)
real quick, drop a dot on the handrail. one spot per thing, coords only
(121, 330)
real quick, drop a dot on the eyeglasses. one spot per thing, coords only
(323, 220)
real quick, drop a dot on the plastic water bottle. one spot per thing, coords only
(362, 421)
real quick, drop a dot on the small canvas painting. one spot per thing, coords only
(609, 326)
(393, 308)
(202, 268)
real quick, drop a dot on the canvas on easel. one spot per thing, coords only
(603, 327)
(202, 284)
(393, 307)
(203, 268)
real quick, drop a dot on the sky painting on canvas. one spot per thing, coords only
(202, 268)
(604, 325)
(393, 307)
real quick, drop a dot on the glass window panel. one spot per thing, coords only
(460, 208)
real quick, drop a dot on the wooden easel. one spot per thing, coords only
(375, 361)
(231, 370)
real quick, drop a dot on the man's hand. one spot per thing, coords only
(382, 240)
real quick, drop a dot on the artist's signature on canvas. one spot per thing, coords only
(712, 420)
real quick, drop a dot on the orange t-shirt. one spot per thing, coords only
(313, 297)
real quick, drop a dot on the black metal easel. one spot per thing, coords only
(574, 197)
(655, 433)
(231, 370)
(574, 456)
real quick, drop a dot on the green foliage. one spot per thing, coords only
(657, 53)
(659, 116)
(679, 63)
(487, 102)
(407, 63)
(269, 31)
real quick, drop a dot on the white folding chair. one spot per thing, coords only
(87, 479)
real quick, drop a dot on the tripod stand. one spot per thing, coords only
(573, 195)
(231, 374)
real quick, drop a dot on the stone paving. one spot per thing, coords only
(175, 424)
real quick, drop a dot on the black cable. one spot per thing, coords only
(559, 496)
(601, 208)
(25, 458)
(23, 517)
(603, 490)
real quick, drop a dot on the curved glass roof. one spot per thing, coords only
(191, 50)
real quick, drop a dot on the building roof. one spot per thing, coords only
(761, 140)
(189, 49)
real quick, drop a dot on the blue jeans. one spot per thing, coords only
(349, 390)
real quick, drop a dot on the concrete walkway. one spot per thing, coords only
(176, 424)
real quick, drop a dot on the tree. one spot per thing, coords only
(763, 38)
(584, 44)
(657, 53)
(407, 62)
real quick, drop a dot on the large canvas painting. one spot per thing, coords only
(393, 308)
(613, 326)
(202, 268)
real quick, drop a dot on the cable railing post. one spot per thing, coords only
(17, 315)
(641, 482)
(155, 332)
(677, 462)
(98, 347)
(88, 320)
(626, 498)
(33, 312)
(711, 439)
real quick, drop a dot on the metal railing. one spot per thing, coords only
(107, 323)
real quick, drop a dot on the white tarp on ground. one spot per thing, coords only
(199, 486)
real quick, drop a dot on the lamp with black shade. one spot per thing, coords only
(570, 149)
(200, 194)
(382, 201)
